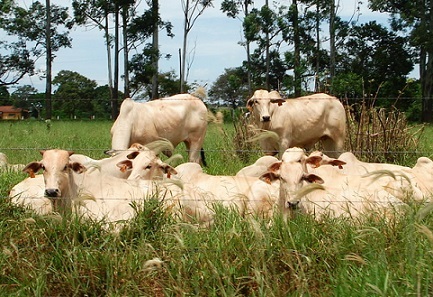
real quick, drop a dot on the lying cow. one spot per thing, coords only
(339, 196)
(299, 122)
(66, 186)
(180, 118)
(246, 194)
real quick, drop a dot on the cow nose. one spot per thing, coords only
(292, 205)
(266, 118)
(52, 192)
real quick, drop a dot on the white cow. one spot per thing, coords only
(30, 193)
(258, 168)
(299, 122)
(339, 196)
(94, 195)
(5, 166)
(246, 194)
(180, 118)
(423, 171)
(118, 165)
(399, 180)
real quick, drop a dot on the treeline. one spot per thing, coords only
(295, 47)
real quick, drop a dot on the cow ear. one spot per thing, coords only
(32, 168)
(269, 177)
(78, 167)
(132, 155)
(124, 165)
(275, 167)
(169, 170)
(336, 162)
(250, 103)
(279, 101)
(312, 178)
(314, 161)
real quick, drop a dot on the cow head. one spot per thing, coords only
(145, 165)
(292, 173)
(261, 104)
(57, 171)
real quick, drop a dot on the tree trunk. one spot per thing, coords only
(48, 106)
(250, 87)
(268, 87)
(331, 43)
(110, 73)
(155, 46)
(426, 69)
(115, 103)
(125, 16)
(297, 53)
(185, 38)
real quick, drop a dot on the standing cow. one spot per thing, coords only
(299, 122)
(179, 118)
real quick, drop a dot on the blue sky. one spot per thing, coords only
(213, 40)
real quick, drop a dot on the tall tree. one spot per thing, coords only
(415, 17)
(233, 8)
(38, 32)
(192, 9)
(155, 47)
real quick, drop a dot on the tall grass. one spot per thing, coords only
(159, 256)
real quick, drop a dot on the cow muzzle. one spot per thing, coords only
(266, 118)
(292, 205)
(52, 193)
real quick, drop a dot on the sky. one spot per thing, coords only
(214, 40)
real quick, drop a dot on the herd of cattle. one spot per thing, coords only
(287, 179)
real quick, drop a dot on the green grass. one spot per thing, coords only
(50, 256)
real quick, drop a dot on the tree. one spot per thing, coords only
(370, 52)
(192, 9)
(230, 88)
(74, 94)
(145, 64)
(37, 30)
(233, 8)
(415, 17)
(26, 97)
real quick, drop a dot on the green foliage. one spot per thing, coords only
(28, 27)
(73, 95)
(230, 88)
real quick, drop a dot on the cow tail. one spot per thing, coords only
(203, 159)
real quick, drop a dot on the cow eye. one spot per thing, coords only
(42, 167)
(148, 166)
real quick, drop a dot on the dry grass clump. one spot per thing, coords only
(245, 149)
(380, 135)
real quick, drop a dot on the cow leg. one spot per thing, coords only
(332, 148)
(193, 152)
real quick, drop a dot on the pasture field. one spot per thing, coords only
(157, 256)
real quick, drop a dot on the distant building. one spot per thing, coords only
(11, 113)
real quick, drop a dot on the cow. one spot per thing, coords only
(94, 195)
(118, 164)
(7, 167)
(245, 194)
(179, 118)
(339, 196)
(423, 172)
(299, 122)
(259, 167)
(30, 193)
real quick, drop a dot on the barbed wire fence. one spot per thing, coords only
(374, 134)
